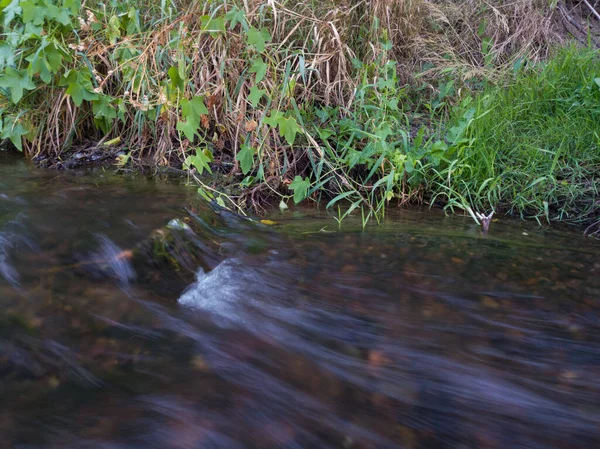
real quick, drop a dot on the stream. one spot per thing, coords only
(135, 315)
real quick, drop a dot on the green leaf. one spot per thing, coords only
(260, 68)
(72, 5)
(14, 131)
(300, 187)
(79, 86)
(132, 21)
(78, 93)
(340, 197)
(54, 57)
(176, 81)
(273, 119)
(288, 128)
(197, 106)
(40, 66)
(235, 16)
(258, 39)
(255, 96)
(213, 24)
(200, 160)
(102, 107)
(7, 55)
(33, 13)
(17, 81)
(113, 30)
(188, 128)
(45, 62)
(246, 158)
(10, 11)
(247, 181)
(61, 16)
(121, 109)
(597, 81)
(191, 110)
(322, 114)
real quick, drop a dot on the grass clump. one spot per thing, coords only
(529, 145)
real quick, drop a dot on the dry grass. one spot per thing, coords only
(326, 34)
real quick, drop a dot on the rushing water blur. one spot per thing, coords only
(419, 333)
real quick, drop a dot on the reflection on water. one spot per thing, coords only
(120, 331)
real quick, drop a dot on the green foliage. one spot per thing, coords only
(258, 39)
(288, 126)
(372, 145)
(200, 160)
(235, 16)
(12, 129)
(260, 68)
(79, 86)
(31, 56)
(191, 110)
(213, 25)
(16, 81)
(529, 145)
(47, 61)
(300, 187)
(255, 96)
(246, 158)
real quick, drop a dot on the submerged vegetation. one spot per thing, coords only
(360, 103)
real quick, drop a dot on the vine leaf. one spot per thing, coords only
(246, 158)
(33, 13)
(273, 119)
(213, 25)
(200, 160)
(191, 110)
(104, 112)
(13, 130)
(255, 96)
(260, 68)
(188, 128)
(16, 81)
(235, 16)
(103, 108)
(7, 55)
(258, 39)
(300, 187)
(10, 11)
(195, 107)
(79, 86)
(176, 81)
(45, 62)
(288, 128)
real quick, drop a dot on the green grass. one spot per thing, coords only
(529, 146)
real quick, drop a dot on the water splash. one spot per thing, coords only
(7, 271)
(111, 260)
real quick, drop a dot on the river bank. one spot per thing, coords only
(367, 104)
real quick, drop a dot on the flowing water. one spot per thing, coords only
(132, 315)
